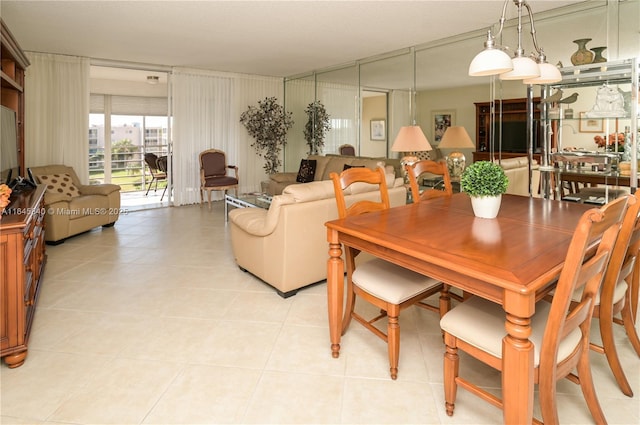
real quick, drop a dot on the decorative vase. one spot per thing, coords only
(598, 51)
(582, 56)
(486, 206)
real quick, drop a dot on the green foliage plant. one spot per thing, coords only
(317, 126)
(268, 123)
(484, 178)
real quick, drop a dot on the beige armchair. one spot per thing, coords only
(73, 207)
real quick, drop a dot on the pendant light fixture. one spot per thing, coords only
(493, 60)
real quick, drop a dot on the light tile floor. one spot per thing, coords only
(151, 322)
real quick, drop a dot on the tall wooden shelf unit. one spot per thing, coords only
(22, 247)
(513, 110)
(14, 63)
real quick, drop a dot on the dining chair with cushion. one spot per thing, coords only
(414, 172)
(157, 175)
(620, 282)
(559, 330)
(438, 168)
(387, 286)
(213, 174)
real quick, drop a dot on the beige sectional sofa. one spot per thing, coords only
(517, 170)
(330, 163)
(286, 245)
(75, 208)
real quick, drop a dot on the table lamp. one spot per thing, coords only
(410, 139)
(456, 137)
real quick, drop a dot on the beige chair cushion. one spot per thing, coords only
(390, 282)
(618, 293)
(61, 184)
(480, 323)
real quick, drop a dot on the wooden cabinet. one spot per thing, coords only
(511, 123)
(14, 63)
(22, 260)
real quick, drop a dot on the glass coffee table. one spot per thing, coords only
(246, 200)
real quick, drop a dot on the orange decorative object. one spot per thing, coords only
(5, 192)
(612, 139)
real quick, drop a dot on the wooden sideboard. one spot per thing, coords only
(22, 260)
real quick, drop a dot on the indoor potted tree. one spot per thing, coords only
(316, 127)
(268, 124)
(484, 182)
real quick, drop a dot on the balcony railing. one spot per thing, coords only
(128, 168)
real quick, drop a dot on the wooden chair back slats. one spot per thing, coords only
(415, 170)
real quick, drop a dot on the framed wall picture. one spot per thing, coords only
(378, 130)
(441, 120)
(590, 125)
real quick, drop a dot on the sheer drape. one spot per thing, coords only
(342, 102)
(57, 111)
(206, 114)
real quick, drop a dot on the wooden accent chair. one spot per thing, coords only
(559, 330)
(151, 160)
(347, 150)
(213, 174)
(620, 282)
(415, 170)
(387, 286)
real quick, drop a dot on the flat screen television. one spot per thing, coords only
(514, 137)
(9, 163)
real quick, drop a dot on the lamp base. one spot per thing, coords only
(407, 160)
(456, 163)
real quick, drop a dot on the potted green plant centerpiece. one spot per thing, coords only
(268, 124)
(484, 182)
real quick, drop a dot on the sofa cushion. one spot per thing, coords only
(347, 166)
(60, 183)
(307, 170)
(321, 164)
(311, 191)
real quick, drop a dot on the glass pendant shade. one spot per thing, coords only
(523, 69)
(548, 74)
(490, 61)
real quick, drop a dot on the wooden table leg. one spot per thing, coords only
(335, 290)
(517, 371)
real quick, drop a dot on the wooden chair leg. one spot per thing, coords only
(610, 351)
(445, 300)
(629, 325)
(209, 199)
(201, 197)
(451, 367)
(349, 306)
(588, 390)
(393, 340)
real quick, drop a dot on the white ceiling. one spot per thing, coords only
(274, 38)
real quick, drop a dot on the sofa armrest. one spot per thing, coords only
(51, 198)
(257, 221)
(284, 177)
(98, 189)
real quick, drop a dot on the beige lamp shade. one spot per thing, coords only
(411, 139)
(456, 137)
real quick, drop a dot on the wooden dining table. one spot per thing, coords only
(511, 260)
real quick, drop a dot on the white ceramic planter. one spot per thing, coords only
(486, 206)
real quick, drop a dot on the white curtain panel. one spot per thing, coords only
(206, 115)
(57, 112)
(342, 103)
